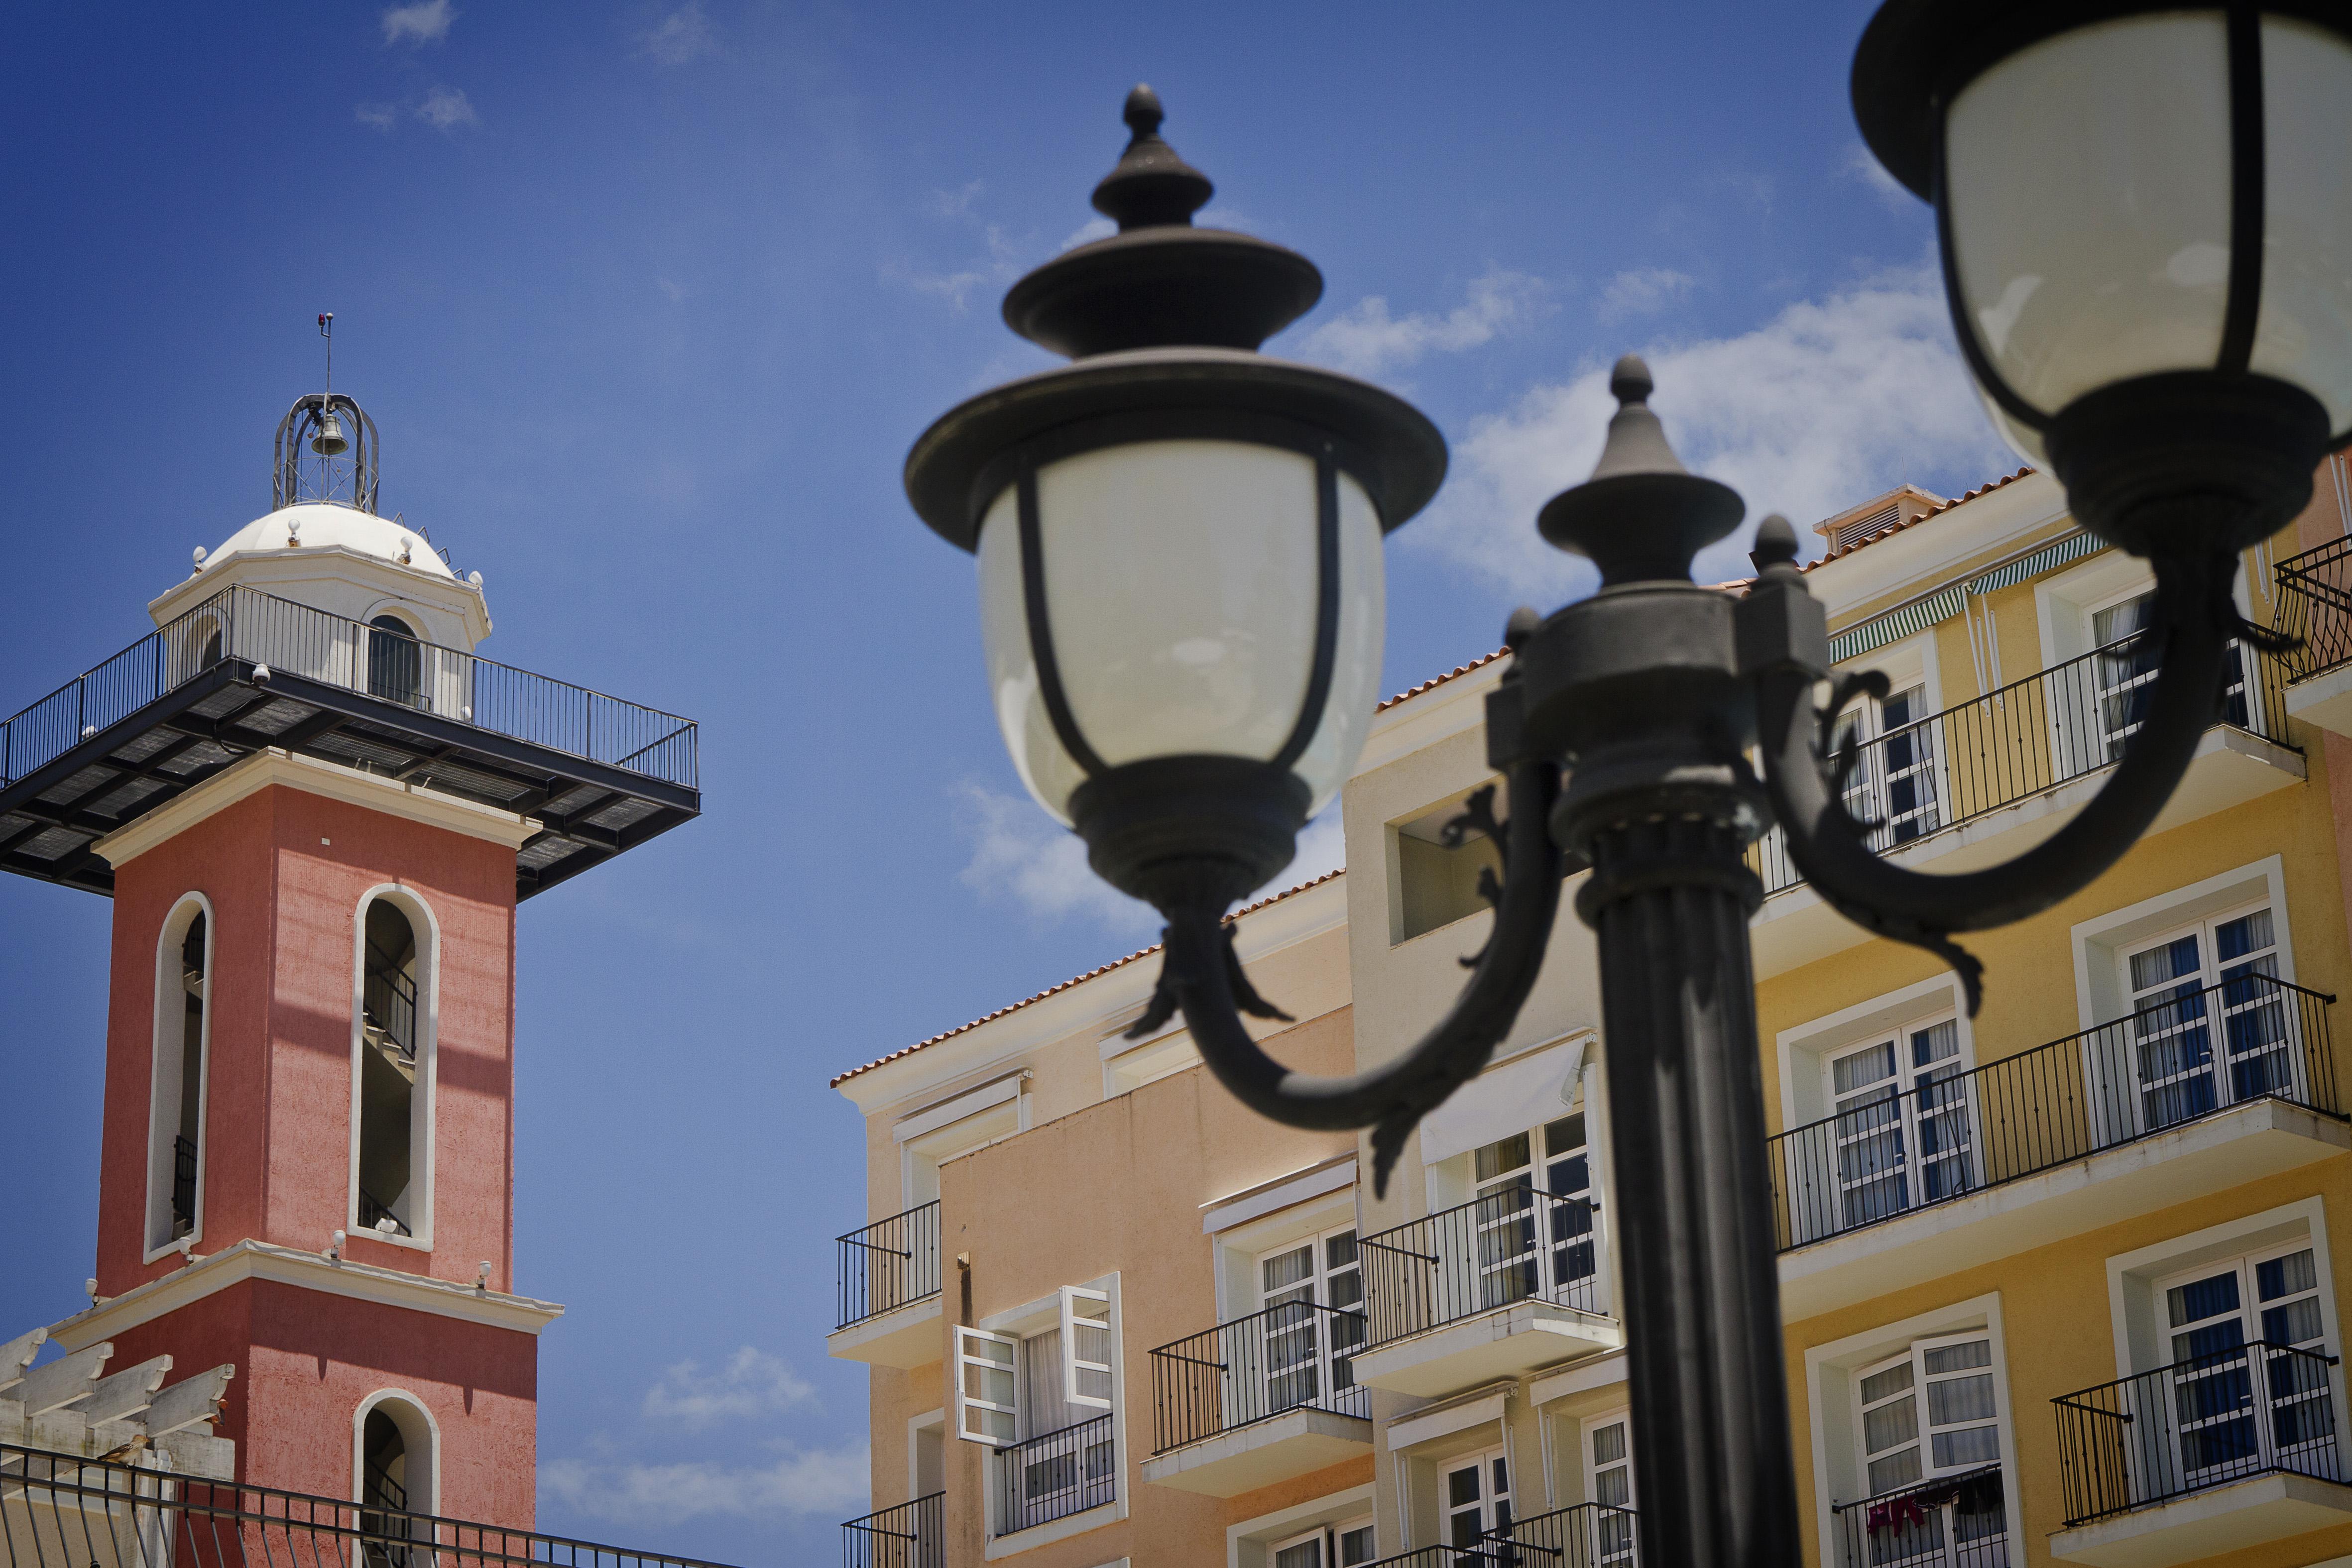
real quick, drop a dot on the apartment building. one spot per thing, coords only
(2057, 1278)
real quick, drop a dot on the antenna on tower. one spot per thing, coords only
(331, 441)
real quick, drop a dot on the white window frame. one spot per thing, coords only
(424, 1097)
(968, 1404)
(1483, 1460)
(164, 1076)
(2249, 1312)
(1925, 1430)
(1020, 1327)
(1911, 1112)
(1075, 1366)
(1587, 1440)
(1327, 1359)
(1252, 1542)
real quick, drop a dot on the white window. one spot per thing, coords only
(1344, 1545)
(1900, 1134)
(2208, 1029)
(2125, 676)
(1535, 1238)
(392, 1074)
(1609, 1482)
(1305, 1352)
(1085, 1348)
(988, 1387)
(1929, 1412)
(183, 965)
(2230, 1413)
(1044, 1398)
(1478, 1497)
(1893, 783)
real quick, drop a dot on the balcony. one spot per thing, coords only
(1258, 1400)
(1499, 1286)
(57, 1508)
(1052, 1477)
(2201, 1458)
(1978, 783)
(1951, 1521)
(886, 1278)
(1587, 1536)
(2314, 606)
(912, 1535)
(245, 672)
(2056, 1141)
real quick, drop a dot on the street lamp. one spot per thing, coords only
(1178, 542)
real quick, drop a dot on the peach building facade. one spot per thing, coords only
(2058, 1278)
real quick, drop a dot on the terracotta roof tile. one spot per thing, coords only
(1479, 663)
(1076, 979)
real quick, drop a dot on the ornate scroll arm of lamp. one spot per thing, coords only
(1784, 647)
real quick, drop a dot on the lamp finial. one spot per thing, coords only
(1151, 186)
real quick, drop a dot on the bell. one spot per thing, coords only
(331, 441)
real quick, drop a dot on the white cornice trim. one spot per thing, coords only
(313, 777)
(309, 1272)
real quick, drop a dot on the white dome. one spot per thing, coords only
(324, 526)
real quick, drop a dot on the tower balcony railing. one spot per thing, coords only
(2023, 740)
(1515, 1245)
(2233, 1413)
(2314, 606)
(887, 1265)
(912, 1535)
(266, 631)
(1293, 1356)
(1055, 1475)
(57, 1511)
(1949, 1522)
(2196, 1053)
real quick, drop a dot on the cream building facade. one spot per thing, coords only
(2058, 1280)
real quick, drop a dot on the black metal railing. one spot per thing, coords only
(887, 1264)
(373, 1211)
(2313, 606)
(2214, 1418)
(1052, 1477)
(2013, 743)
(2194, 1054)
(1288, 1358)
(263, 630)
(388, 1000)
(60, 1511)
(1586, 1535)
(184, 1184)
(912, 1535)
(1515, 1245)
(1951, 1521)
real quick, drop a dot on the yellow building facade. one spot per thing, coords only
(2058, 1278)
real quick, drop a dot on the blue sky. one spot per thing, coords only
(648, 302)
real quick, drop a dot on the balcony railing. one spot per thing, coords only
(1952, 1521)
(1520, 1244)
(1288, 1358)
(1050, 1478)
(1586, 1535)
(912, 1535)
(2241, 1411)
(60, 1511)
(889, 1264)
(2014, 743)
(2314, 606)
(262, 630)
(2193, 1054)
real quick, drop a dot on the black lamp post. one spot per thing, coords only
(1178, 542)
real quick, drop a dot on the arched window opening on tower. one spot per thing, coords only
(395, 1479)
(394, 1075)
(184, 962)
(396, 662)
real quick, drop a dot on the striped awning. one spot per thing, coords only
(1907, 620)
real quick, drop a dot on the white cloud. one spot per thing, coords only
(1366, 339)
(823, 1482)
(682, 36)
(1642, 291)
(1862, 164)
(1321, 848)
(1020, 853)
(1088, 231)
(380, 115)
(675, 293)
(752, 1383)
(445, 108)
(425, 22)
(1824, 406)
(1000, 263)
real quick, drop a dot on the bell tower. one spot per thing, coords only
(317, 808)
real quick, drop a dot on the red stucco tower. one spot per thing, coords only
(316, 810)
